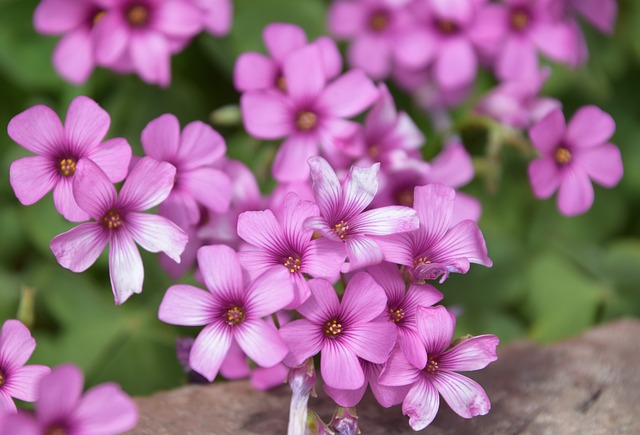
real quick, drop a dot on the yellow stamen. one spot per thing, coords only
(98, 17)
(519, 20)
(281, 83)
(405, 197)
(396, 315)
(562, 156)
(421, 261)
(67, 167)
(341, 229)
(138, 15)
(1, 379)
(112, 220)
(432, 366)
(235, 315)
(378, 21)
(332, 328)
(447, 26)
(306, 121)
(293, 264)
(56, 430)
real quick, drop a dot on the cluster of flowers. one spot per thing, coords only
(126, 35)
(61, 408)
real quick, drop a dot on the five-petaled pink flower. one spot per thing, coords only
(59, 149)
(63, 409)
(572, 155)
(119, 223)
(232, 310)
(16, 379)
(342, 332)
(438, 375)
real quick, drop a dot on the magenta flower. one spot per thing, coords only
(144, 34)
(342, 332)
(119, 223)
(438, 375)
(311, 112)
(16, 379)
(436, 248)
(290, 245)
(601, 14)
(342, 216)
(254, 71)
(59, 149)
(218, 15)
(192, 152)
(63, 409)
(231, 311)
(572, 155)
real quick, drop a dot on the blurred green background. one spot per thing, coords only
(552, 277)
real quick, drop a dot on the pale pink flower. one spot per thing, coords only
(59, 150)
(218, 15)
(232, 310)
(17, 379)
(572, 156)
(119, 223)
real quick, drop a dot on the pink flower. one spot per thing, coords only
(16, 379)
(342, 216)
(311, 112)
(601, 13)
(254, 71)
(193, 153)
(119, 223)
(438, 375)
(342, 332)
(572, 155)
(144, 34)
(62, 408)
(373, 27)
(59, 149)
(436, 248)
(231, 311)
(218, 15)
(288, 244)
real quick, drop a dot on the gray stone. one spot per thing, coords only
(586, 385)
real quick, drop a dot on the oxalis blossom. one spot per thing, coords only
(62, 408)
(342, 331)
(119, 223)
(572, 156)
(436, 248)
(436, 326)
(16, 379)
(231, 310)
(59, 149)
(342, 216)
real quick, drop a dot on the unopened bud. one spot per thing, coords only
(345, 421)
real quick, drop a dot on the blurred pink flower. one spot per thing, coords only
(218, 15)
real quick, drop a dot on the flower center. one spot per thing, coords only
(67, 167)
(374, 151)
(432, 366)
(112, 220)
(378, 21)
(138, 15)
(281, 83)
(293, 264)
(421, 261)
(56, 429)
(519, 20)
(97, 17)
(2, 379)
(306, 121)
(562, 156)
(235, 316)
(396, 315)
(405, 197)
(446, 26)
(332, 328)
(341, 229)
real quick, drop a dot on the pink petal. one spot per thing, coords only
(421, 404)
(349, 94)
(16, 345)
(85, 125)
(324, 259)
(235, 364)
(326, 187)
(346, 18)
(421, 295)
(435, 327)
(398, 371)
(323, 304)
(92, 189)
(218, 20)
(363, 300)
(261, 342)
(65, 202)
(458, 10)
(73, 56)
(465, 240)
(210, 187)
(32, 178)
(200, 145)
(386, 396)
(38, 129)
(282, 38)
(301, 291)
(331, 57)
(457, 65)
(254, 71)
(295, 212)
(518, 59)
(266, 115)
(23, 383)
(415, 48)
(603, 164)
(548, 132)
(261, 229)
(388, 276)
(557, 40)
(209, 349)
(7, 414)
(287, 164)
(386, 220)
(412, 346)
(340, 367)
(590, 127)
(60, 16)
(148, 184)
(59, 393)
(105, 408)
(434, 204)
(111, 36)
(463, 395)
(346, 398)
(397, 248)
(545, 176)
(157, 234)
(178, 19)
(303, 338)
(576, 192)
(602, 14)
(221, 271)
(113, 157)
(372, 341)
(161, 138)
(360, 187)
(452, 167)
(151, 57)
(465, 208)
(80, 247)
(473, 354)
(187, 306)
(371, 54)
(362, 252)
(266, 378)
(304, 74)
(125, 267)
(271, 292)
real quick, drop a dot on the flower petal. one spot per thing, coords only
(456, 65)
(111, 36)
(254, 71)
(434, 204)
(326, 187)
(386, 396)
(178, 19)
(282, 38)
(125, 266)
(463, 395)
(331, 57)
(53, 17)
(37, 129)
(383, 221)
(360, 186)
(271, 292)
(464, 241)
(340, 367)
(603, 164)
(161, 138)
(372, 341)
(324, 258)
(85, 125)
(113, 157)
(452, 167)
(221, 271)
(266, 114)
(349, 94)
(548, 132)
(32, 178)
(388, 276)
(148, 184)
(589, 127)
(303, 338)
(412, 346)
(346, 398)
(23, 383)
(105, 408)
(65, 202)
(323, 303)
(435, 327)
(362, 252)
(16, 345)
(296, 211)
(80, 247)
(151, 57)
(187, 306)
(200, 145)
(261, 229)
(473, 354)
(296, 149)
(92, 189)
(209, 349)
(73, 56)
(421, 404)
(544, 176)
(517, 60)
(59, 393)
(304, 74)
(261, 342)
(157, 234)
(398, 370)
(576, 192)
(363, 299)
(210, 187)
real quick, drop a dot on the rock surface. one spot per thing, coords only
(586, 385)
